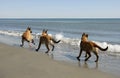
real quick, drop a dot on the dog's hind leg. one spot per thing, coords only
(89, 55)
(52, 46)
(97, 57)
(47, 46)
(79, 55)
(33, 42)
(39, 46)
(22, 42)
(86, 55)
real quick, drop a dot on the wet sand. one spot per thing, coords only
(17, 62)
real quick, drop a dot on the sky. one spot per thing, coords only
(59, 8)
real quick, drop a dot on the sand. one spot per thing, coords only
(17, 62)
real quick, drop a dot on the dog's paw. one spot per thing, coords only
(21, 45)
(86, 59)
(36, 50)
(46, 52)
(78, 58)
(96, 60)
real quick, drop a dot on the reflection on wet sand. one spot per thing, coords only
(88, 65)
(83, 64)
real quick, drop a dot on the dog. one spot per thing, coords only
(88, 47)
(47, 40)
(27, 36)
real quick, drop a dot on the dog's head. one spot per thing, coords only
(44, 32)
(84, 37)
(29, 28)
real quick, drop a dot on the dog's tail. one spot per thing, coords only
(102, 49)
(55, 41)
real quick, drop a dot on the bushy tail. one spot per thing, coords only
(102, 49)
(55, 41)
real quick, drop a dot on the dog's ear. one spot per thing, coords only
(28, 28)
(46, 31)
(43, 30)
(86, 35)
(83, 34)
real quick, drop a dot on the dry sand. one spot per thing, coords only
(17, 62)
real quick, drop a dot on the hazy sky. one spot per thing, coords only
(59, 8)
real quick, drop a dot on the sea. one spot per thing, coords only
(103, 31)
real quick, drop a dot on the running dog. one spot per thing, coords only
(47, 40)
(27, 36)
(88, 47)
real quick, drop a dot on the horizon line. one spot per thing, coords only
(61, 18)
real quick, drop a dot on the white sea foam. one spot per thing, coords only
(10, 33)
(69, 41)
(59, 36)
(111, 48)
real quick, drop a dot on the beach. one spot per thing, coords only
(17, 62)
(104, 32)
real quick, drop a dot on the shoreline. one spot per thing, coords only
(17, 62)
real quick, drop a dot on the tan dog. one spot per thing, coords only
(88, 47)
(47, 40)
(27, 37)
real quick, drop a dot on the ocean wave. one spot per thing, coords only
(10, 33)
(73, 42)
(113, 49)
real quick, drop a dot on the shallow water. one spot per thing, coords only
(104, 32)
